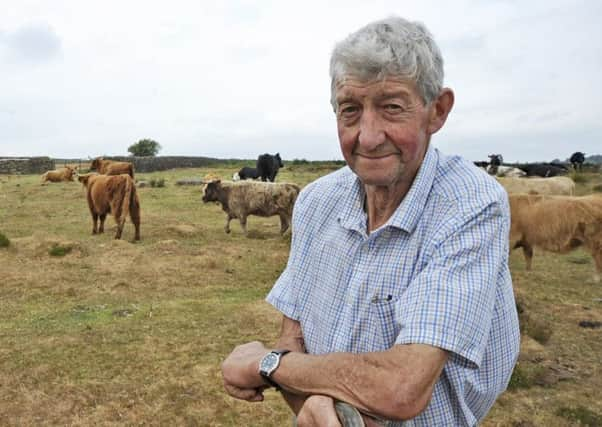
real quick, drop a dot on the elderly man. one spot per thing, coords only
(397, 297)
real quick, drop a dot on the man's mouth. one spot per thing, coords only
(376, 156)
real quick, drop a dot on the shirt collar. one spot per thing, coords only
(409, 211)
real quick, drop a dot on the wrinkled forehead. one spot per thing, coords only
(351, 86)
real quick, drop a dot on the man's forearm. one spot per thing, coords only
(395, 384)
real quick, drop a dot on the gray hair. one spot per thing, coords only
(392, 47)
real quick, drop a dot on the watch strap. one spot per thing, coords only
(268, 376)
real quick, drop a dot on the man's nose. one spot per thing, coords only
(371, 133)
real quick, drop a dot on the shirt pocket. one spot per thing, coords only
(383, 313)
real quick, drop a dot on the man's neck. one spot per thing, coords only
(382, 202)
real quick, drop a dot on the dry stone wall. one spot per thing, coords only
(25, 166)
(151, 164)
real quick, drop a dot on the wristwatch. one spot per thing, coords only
(268, 365)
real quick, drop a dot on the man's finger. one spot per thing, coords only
(249, 394)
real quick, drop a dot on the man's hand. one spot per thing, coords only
(240, 372)
(318, 411)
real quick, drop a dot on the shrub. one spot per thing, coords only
(538, 330)
(4, 242)
(157, 182)
(597, 188)
(525, 376)
(59, 250)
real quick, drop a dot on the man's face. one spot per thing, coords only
(383, 129)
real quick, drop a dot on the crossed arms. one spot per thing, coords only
(396, 384)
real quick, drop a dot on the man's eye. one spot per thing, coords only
(349, 110)
(393, 108)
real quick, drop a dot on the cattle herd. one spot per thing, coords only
(111, 189)
(545, 213)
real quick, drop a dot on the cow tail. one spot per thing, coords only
(129, 192)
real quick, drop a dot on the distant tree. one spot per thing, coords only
(145, 148)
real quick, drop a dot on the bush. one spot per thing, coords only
(59, 250)
(157, 182)
(597, 188)
(4, 242)
(525, 376)
(538, 330)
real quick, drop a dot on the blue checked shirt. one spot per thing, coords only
(436, 273)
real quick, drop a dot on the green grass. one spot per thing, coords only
(59, 250)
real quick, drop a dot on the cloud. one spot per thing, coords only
(31, 44)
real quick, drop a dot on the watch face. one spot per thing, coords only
(268, 363)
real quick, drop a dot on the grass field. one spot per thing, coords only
(95, 331)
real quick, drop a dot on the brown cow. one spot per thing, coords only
(111, 167)
(243, 198)
(557, 224)
(114, 194)
(64, 174)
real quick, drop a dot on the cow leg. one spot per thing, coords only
(120, 224)
(101, 229)
(528, 254)
(119, 230)
(243, 224)
(135, 217)
(227, 227)
(597, 255)
(94, 223)
(284, 224)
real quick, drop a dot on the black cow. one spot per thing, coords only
(495, 160)
(544, 170)
(248, 173)
(268, 165)
(577, 160)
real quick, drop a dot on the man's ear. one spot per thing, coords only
(440, 108)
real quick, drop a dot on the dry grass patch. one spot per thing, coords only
(581, 415)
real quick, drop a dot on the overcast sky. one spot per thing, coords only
(234, 79)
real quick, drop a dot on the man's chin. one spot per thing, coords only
(376, 179)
